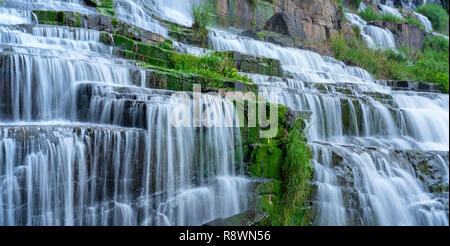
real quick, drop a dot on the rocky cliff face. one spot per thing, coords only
(405, 34)
(305, 20)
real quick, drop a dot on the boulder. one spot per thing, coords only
(285, 24)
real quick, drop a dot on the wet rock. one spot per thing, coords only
(248, 218)
(292, 117)
(255, 64)
(431, 168)
(402, 85)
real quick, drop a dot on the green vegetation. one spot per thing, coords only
(285, 160)
(414, 21)
(293, 208)
(202, 15)
(215, 69)
(370, 14)
(430, 65)
(216, 66)
(267, 159)
(437, 15)
(356, 3)
(50, 17)
(213, 66)
(104, 7)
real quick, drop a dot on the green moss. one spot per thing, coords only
(50, 16)
(153, 51)
(74, 20)
(106, 38)
(437, 15)
(294, 207)
(123, 42)
(269, 187)
(286, 160)
(115, 22)
(255, 64)
(267, 203)
(167, 44)
(212, 70)
(267, 160)
(105, 7)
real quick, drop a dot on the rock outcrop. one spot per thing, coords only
(405, 34)
(319, 18)
(411, 86)
(310, 19)
(285, 24)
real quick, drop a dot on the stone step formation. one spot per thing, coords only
(87, 93)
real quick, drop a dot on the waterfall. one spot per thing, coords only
(134, 13)
(406, 4)
(60, 5)
(81, 143)
(375, 37)
(10, 16)
(390, 10)
(363, 136)
(176, 11)
(425, 21)
(314, 67)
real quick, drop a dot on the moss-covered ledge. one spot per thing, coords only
(281, 167)
(104, 7)
(154, 53)
(255, 64)
(180, 71)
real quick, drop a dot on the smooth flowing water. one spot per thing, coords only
(82, 144)
(425, 21)
(385, 9)
(406, 4)
(375, 37)
(359, 132)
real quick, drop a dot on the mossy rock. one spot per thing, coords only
(269, 187)
(267, 160)
(51, 17)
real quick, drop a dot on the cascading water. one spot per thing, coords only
(359, 132)
(82, 144)
(66, 5)
(375, 37)
(387, 7)
(314, 66)
(144, 171)
(133, 13)
(406, 4)
(425, 21)
(176, 11)
(390, 10)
